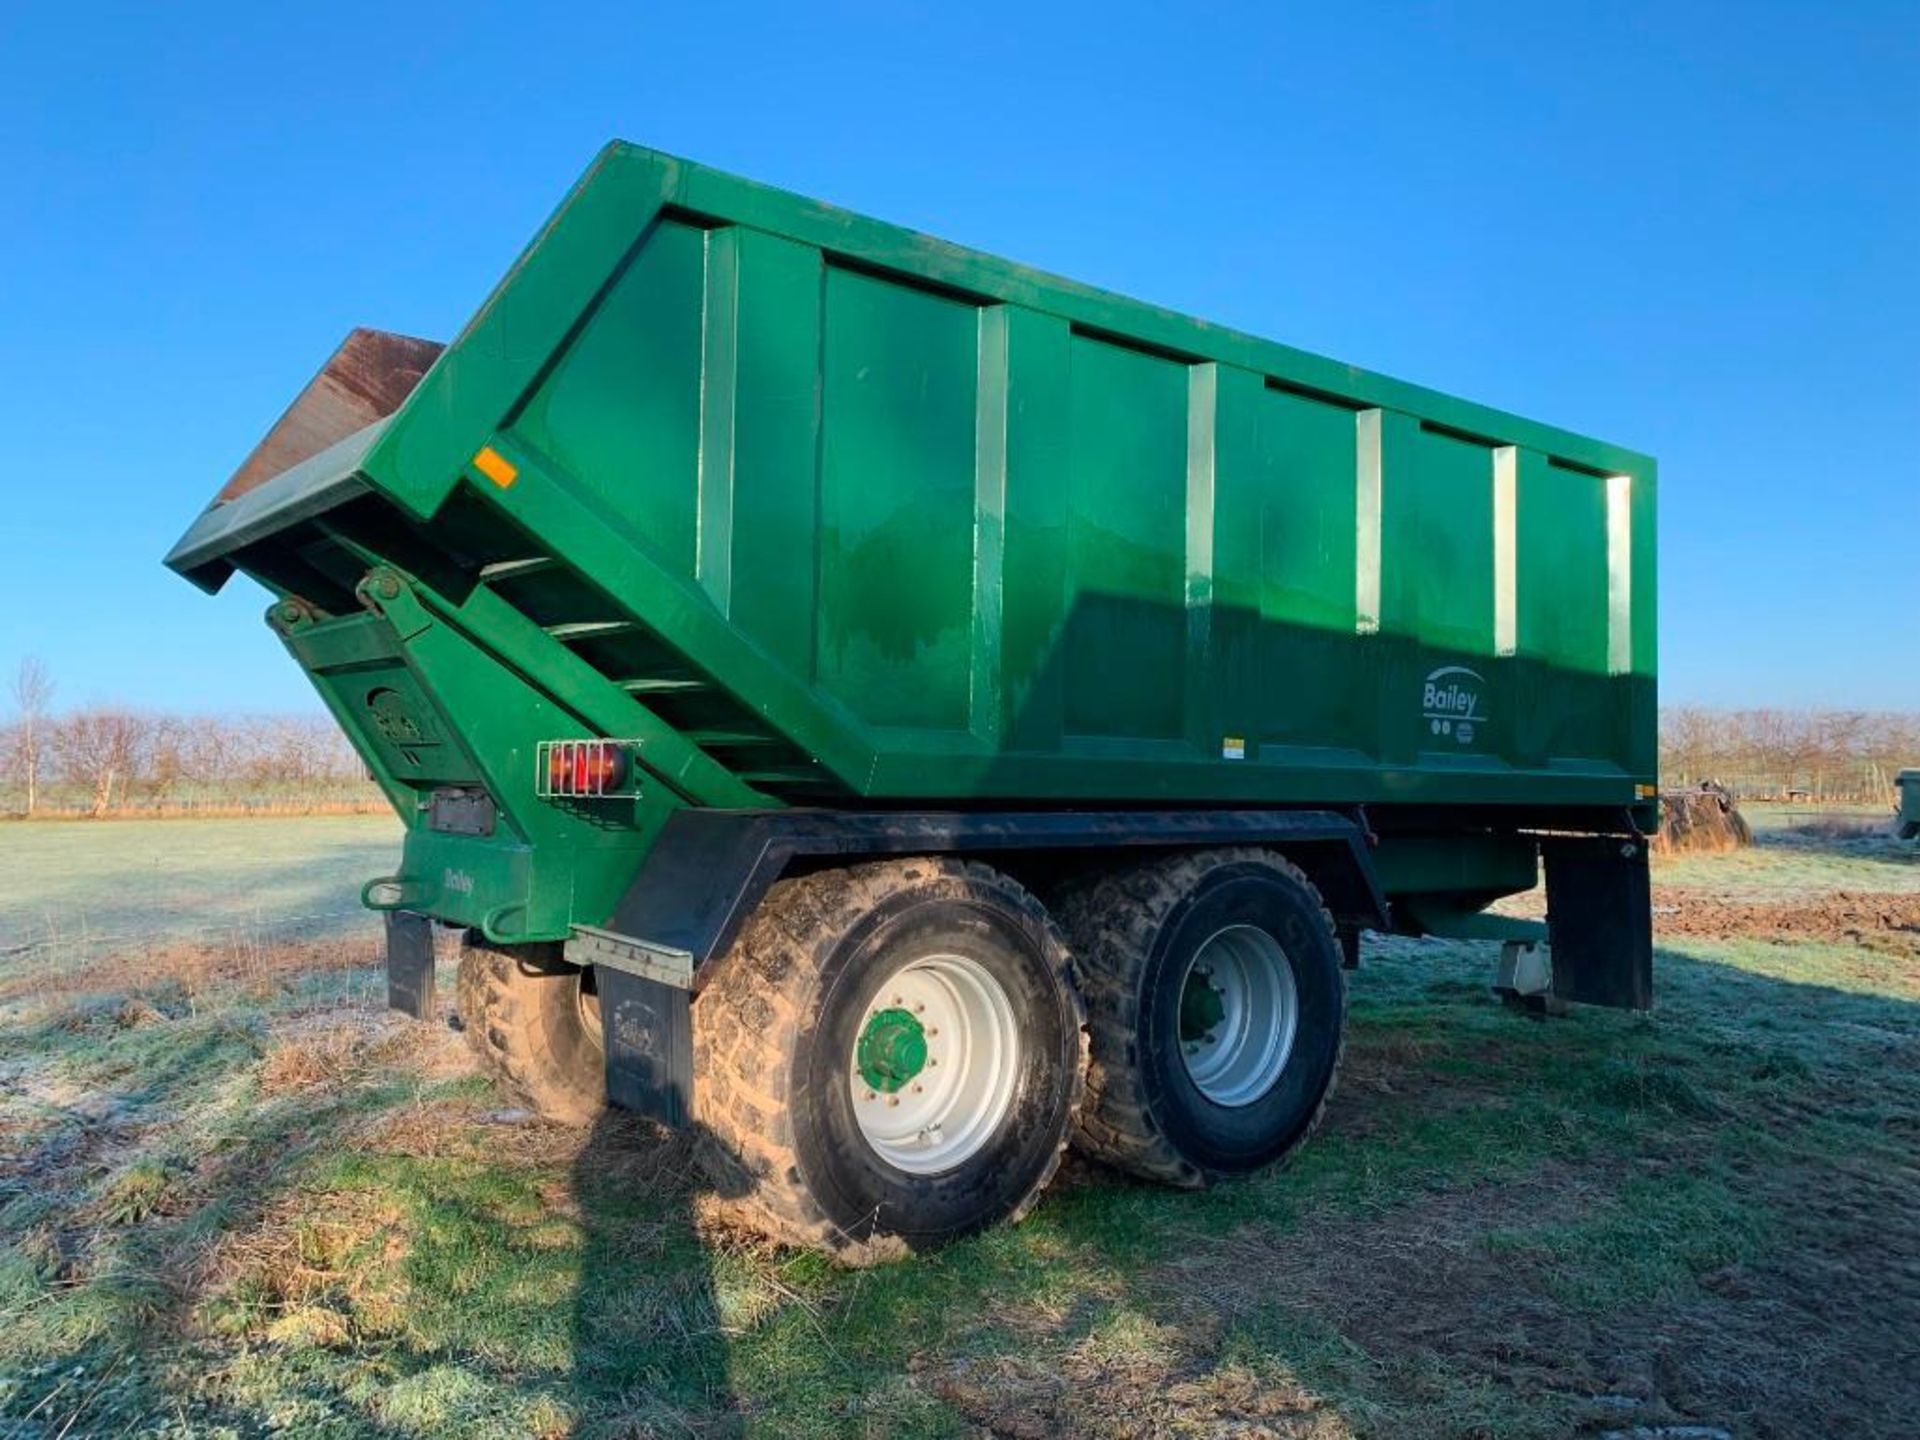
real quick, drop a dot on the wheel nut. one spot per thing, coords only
(893, 1099)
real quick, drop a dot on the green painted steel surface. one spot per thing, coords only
(822, 511)
(892, 1050)
(1907, 821)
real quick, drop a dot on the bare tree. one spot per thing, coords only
(32, 694)
(100, 750)
(1692, 742)
(1827, 754)
(167, 756)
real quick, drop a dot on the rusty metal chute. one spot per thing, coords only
(366, 379)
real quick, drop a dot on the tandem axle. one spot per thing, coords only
(710, 870)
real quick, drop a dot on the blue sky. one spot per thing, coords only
(1691, 229)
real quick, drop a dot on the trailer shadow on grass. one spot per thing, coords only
(649, 1337)
(287, 1210)
(1509, 1227)
(264, 1203)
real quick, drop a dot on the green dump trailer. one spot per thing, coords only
(1906, 821)
(897, 712)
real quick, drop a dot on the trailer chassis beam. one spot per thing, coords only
(710, 869)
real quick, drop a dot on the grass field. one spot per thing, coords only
(236, 1198)
(76, 889)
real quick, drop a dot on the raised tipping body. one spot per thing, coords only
(735, 521)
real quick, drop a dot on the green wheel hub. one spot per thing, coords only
(891, 1050)
(1201, 1009)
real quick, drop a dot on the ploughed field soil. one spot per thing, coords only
(237, 1198)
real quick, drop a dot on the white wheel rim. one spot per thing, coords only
(940, 1115)
(1238, 1059)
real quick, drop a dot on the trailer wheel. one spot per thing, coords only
(1217, 1006)
(534, 1021)
(889, 1057)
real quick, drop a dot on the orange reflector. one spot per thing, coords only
(495, 466)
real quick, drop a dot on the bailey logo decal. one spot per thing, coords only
(1450, 702)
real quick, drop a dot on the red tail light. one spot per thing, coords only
(582, 768)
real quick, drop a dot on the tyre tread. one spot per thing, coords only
(1111, 921)
(747, 1019)
(503, 1013)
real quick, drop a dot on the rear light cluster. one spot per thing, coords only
(583, 769)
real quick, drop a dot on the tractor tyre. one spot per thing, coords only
(534, 1021)
(889, 1057)
(1217, 1005)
